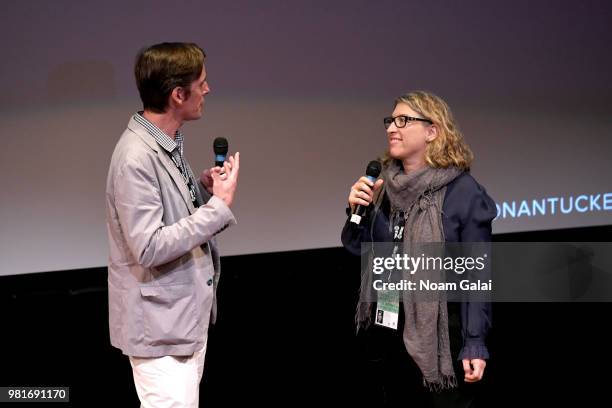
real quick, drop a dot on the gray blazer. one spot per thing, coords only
(163, 265)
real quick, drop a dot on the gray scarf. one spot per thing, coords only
(420, 196)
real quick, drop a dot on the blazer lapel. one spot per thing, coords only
(176, 175)
(166, 161)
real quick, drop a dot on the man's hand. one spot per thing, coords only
(225, 179)
(474, 369)
(207, 180)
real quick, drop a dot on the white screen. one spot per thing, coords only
(300, 90)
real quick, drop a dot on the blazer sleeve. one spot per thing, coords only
(140, 211)
(476, 317)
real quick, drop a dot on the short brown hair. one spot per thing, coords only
(162, 67)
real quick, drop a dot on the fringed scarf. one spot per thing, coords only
(419, 195)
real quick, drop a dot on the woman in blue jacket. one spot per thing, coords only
(425, 193)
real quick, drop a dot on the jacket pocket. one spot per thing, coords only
(169, 314)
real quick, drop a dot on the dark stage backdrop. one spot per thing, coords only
(300, 89)
(286, 337)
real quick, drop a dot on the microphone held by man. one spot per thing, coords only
(222, 179)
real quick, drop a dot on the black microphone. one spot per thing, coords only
(220, 147)
(372, 173)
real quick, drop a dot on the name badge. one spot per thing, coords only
(387, 309)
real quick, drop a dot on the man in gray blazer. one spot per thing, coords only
(164, 263)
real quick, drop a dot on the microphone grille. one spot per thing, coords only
(220, 145)
(374, 168)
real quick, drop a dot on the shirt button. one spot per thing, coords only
(209, 282)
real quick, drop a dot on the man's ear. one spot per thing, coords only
(177, 96)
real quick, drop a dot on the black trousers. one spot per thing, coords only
(391, 378)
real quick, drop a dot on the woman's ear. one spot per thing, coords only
(432, 133)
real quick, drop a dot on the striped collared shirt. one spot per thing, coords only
(174, 147)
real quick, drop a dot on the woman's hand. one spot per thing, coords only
(363, 192)
(474, 369)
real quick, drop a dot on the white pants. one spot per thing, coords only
(170, 381)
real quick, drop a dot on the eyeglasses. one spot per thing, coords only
(402, 120)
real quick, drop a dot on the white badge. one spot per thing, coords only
(387, 309)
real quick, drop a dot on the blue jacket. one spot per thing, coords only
(467, 213)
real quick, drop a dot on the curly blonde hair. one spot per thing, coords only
(448, 148)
